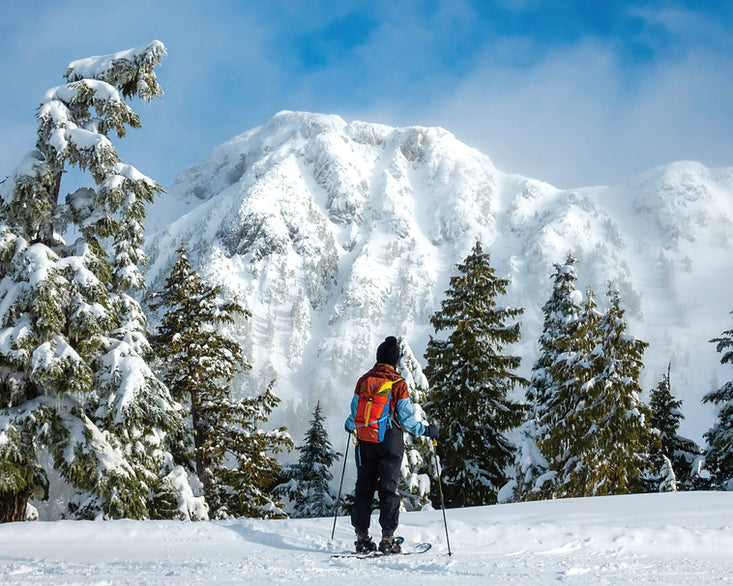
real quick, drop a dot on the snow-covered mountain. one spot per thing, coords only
(338, 234)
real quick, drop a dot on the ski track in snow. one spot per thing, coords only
(678, 538)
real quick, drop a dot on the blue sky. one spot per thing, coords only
(573, 93)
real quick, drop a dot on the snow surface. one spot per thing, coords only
(670, 538)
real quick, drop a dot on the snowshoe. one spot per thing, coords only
(390, 545)
(364, 544)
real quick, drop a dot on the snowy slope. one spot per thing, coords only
(338, 234)
(682, 538)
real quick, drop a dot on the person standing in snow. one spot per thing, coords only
(379, 454)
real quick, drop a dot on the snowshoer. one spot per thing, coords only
(380, 411)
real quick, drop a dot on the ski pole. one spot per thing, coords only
(440, 491)
(341, 484)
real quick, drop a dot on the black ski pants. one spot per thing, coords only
(378, 468)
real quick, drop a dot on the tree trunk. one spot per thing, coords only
(45, 230)
(12, 505)
(203, 461)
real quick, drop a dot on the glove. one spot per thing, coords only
(346, 428)
(431, 431)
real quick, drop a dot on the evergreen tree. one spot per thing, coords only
(570, 410)
(720, 436)
(664, 421)
(687, 469)
(417, 462)
(623, 422)
(602, 445)
(561, 314)
(666, 415)
(532, 474)
(665, 479)
(307, 483)
(247, 486)
(73, 346)
(198, 363)
(470, 379)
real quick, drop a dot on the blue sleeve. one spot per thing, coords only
(407, 418)
(351, 420)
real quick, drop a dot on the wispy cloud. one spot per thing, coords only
(581, 116)
(597, 109)
(569, 93)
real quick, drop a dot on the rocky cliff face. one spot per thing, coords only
(338, 234)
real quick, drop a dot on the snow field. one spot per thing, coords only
(672, 538)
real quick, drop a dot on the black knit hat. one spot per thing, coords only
(388, 351)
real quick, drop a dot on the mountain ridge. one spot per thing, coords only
(337, 234)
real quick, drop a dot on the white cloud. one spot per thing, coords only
(571, 114)
(581, 116)
(682, 23)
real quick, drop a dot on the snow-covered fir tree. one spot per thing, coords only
(666, 414)
(417, 462)
(720, 436)
(251, 479)
(601, 444)
(679, 463)
(690, 466)
(532, 475)
(470, 378)
(623, 424)
(663, 478)
(664, 421)
(73, 346)
(307, 483)
(198, 363)
(531, 472)
(567, 441)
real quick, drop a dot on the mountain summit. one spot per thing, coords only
(338, 234)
